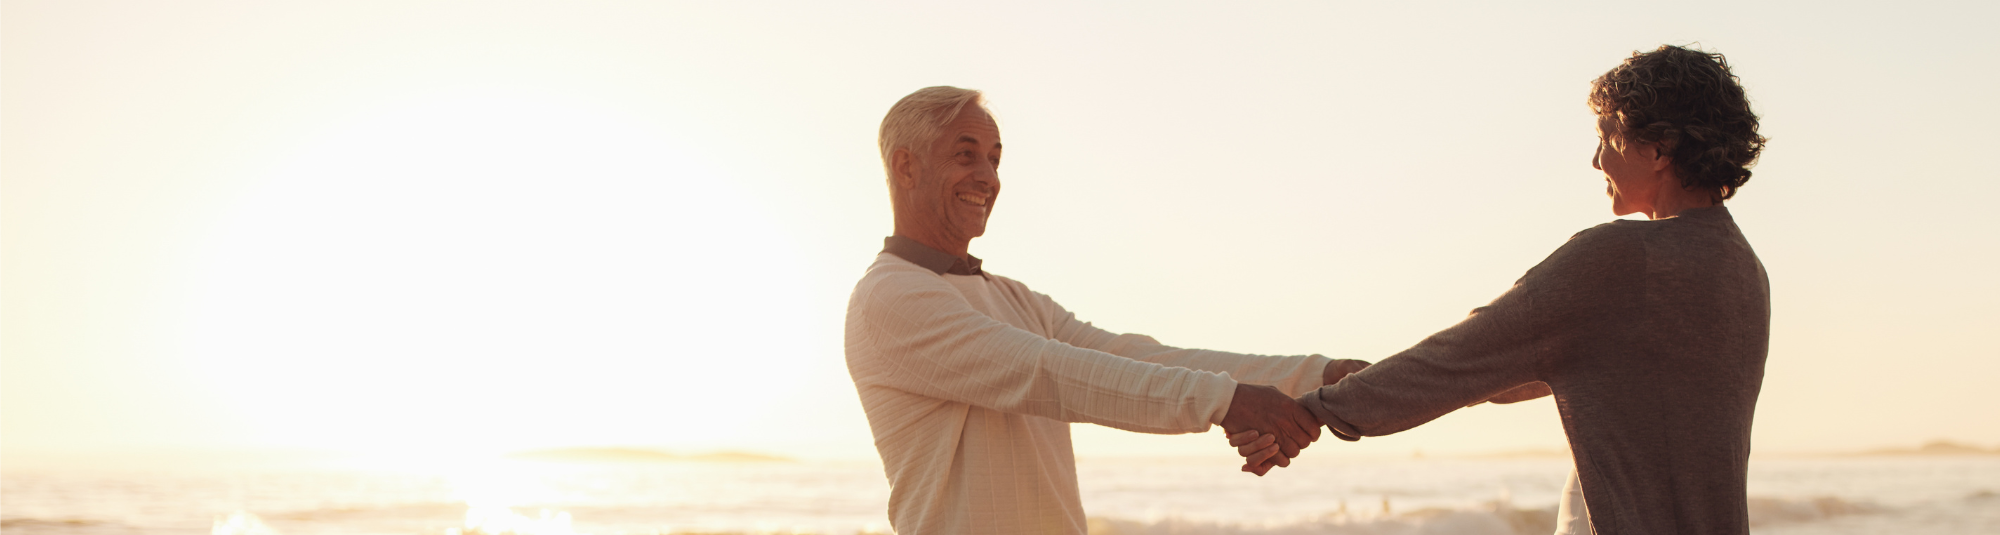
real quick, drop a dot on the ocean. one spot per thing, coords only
(1942, 495)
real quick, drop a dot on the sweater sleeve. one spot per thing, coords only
(1294, 375)
(1572, 295)
(911, 331)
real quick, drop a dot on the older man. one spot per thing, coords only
(970, 380)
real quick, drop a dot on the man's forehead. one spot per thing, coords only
(973, 125)
(976, 137)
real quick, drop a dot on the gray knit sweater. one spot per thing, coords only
(1652, 335)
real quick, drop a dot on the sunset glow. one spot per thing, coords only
(418, 236)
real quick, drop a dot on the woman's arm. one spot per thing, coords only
(1521, 393)
(1581, 293)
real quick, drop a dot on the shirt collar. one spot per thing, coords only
(938, 262)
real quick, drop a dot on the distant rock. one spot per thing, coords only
(1940, 447)
(738, 457)
(638, 455)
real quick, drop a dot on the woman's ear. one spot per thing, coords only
(1661, 161)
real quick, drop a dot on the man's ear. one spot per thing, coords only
(903, 166)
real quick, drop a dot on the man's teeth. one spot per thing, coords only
(974, 199)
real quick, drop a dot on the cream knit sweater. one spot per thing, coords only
(970, 383)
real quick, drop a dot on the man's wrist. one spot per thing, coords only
(1224, 390)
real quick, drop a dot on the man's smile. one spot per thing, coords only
(975, 199)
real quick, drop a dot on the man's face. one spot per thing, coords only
(958, 178)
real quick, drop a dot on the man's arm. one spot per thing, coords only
(913, 332)
(1292, 374)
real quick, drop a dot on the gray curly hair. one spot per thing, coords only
(1689, 102)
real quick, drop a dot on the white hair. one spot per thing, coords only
(916, 121)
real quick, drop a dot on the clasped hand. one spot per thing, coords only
(1272, 426)
(1268, 428)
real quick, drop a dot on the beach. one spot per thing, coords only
(1790, 495)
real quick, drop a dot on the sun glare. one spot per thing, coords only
(483, 273)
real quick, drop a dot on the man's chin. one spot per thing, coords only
(974, 229)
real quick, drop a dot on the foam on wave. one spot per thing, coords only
(1492, 520)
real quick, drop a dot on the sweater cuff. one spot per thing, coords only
(1333, 422)
(1317, 363)
(1214, 391)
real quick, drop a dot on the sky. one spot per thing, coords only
(423, 227)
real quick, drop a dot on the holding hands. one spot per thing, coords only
(1266, 416)
(1271, 431)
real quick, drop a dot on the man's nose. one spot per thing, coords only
(987, 174)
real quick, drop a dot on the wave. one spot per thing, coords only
(1499, 520)
(1773, 511)
(73, 526)
(431, 510)
(1426, 522)
(1493, 519)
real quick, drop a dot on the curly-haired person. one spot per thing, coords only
(1650, 334)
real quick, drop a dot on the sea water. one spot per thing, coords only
(1499, 496)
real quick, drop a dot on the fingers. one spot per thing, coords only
(1291, 438)
(1300, 434)
(1291, 442)
(1256, 407)
(1305, 419)
(1246, 437)
(1258, 451)
(1261, 456)
(1307, 428)
(1256, 469)
(1269, 460)
(1258, 412)
(1295, 428)
(1252, 447)
(1264, 454)
(1265, 467)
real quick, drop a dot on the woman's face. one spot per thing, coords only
(1631, 170)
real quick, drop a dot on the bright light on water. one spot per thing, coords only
(240, 523)
(504, 521)
(1789, 496)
